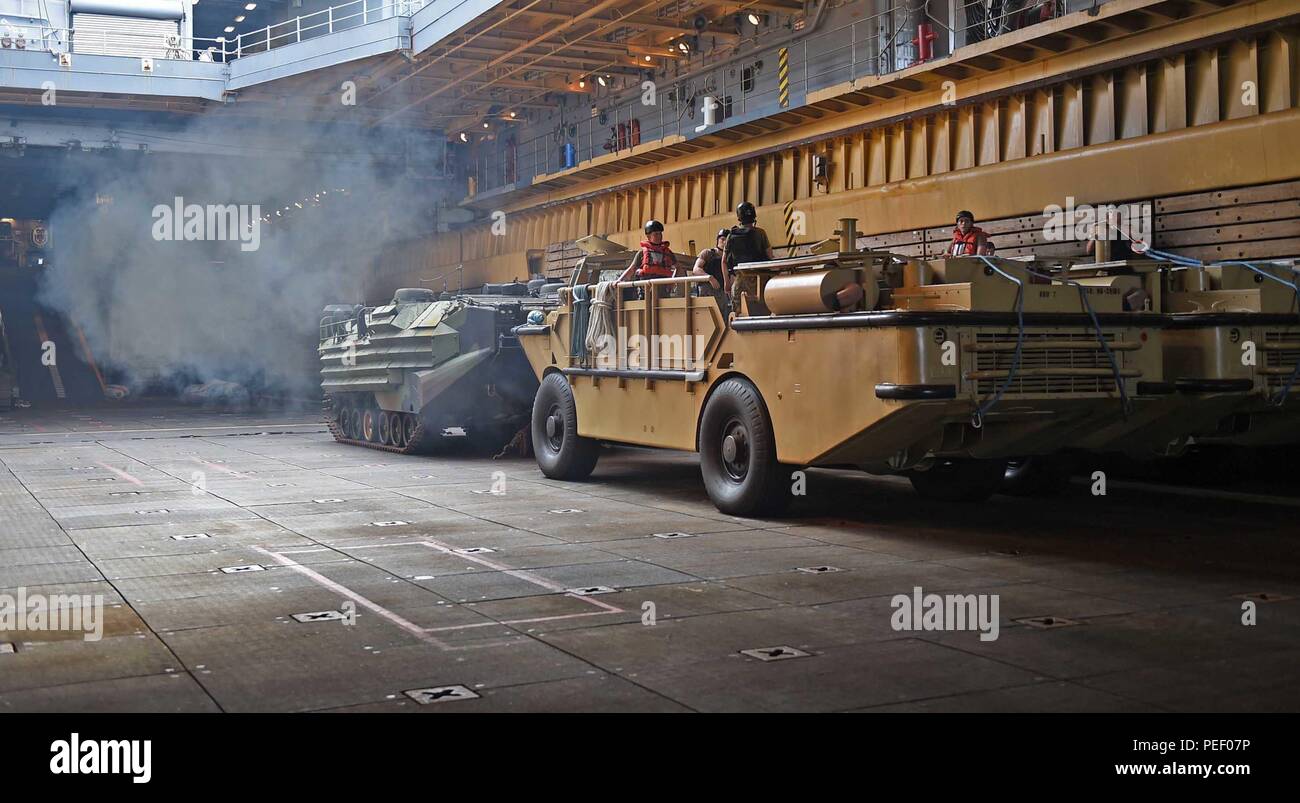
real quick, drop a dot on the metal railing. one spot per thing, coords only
(884, 43)
(36, 34)
(321, 23)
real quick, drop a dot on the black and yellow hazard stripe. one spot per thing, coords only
(789, 225)
(783, 75)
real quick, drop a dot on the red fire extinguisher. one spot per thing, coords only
(924, 36)
(635, 127)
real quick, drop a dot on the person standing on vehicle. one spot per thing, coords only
(655, 260)
(967, 238)
(710, 263)
(746, 242)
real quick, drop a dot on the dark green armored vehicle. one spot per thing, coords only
(398, 377)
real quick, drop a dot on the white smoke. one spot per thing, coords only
(175, 312)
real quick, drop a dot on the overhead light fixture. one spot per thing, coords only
(683, 46)
(754, 19)
(582, 83)
(513, 115)
(464, 137)
(240, 18)
(230, 29)
(600, 79)
(250, 6)
(648, 59)
(485, 125)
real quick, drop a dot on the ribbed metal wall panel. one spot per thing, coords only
(125, 36)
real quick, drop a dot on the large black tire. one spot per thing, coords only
(1044, 475)
(562, 454)
(738, 452)
(959, 480)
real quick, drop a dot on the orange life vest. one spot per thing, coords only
(967, 244)
(657, 261)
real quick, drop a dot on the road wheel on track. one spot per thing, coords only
(398, 424)
(562, 454)
(738, 452)
(370, 425)
(1042, 475)
(385, 428)
(344, 421)
(409, 425)
(959, 480)
(354, 428)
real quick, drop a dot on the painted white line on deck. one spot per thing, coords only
(519, 574)
(521, 621)
(121, 474)
(409, 627)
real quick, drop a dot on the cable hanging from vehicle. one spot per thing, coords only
(1125, 404)
(977, 419)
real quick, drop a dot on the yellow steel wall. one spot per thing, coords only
(1170, 124)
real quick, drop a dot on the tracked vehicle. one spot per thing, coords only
(940, 370)
(397, 376)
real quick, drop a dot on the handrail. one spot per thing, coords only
(220, 49)
(877, 45)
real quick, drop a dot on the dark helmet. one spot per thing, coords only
(965, 213)
(723, 233)
(652, 226)
(746, 213)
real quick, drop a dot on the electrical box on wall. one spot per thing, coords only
(821, 169)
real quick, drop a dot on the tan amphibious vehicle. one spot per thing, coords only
(940, 369)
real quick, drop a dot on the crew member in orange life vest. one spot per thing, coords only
(655, 260)
(967, 238)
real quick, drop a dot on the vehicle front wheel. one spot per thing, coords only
(738, 452)
(959, 480)
(562, 454)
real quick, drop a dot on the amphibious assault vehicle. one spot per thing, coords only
(397, 376)
(940, 370)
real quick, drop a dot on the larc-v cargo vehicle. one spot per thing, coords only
(940, 369)
(1232, 347)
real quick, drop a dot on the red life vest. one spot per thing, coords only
(967, 244)
(657, 261)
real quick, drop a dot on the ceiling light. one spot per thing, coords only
(230, 29)
(582, 83)
(240, 18)
(513, 115)
(754, 19)
(647, 58)
(485, 125)
(250, 6)
(682, 46)
(464, 137)
(600, 79)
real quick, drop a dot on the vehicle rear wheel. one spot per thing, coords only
(738, 452)
(1042, 475)
(562, 453)
(370, 425)
(959, 480)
